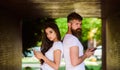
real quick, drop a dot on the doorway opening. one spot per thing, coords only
(91, 37)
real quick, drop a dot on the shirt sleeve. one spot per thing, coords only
(58, 46)
(70, 42)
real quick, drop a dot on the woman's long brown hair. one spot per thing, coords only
(46, 43)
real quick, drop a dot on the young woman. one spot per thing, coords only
(51, 49)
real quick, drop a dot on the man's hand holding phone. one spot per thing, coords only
(93, 49)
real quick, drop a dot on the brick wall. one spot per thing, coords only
(10, 42)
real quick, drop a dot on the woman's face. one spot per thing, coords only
(51, 34)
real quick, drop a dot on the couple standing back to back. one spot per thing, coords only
(52, 48)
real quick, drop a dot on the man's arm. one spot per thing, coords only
(74, 56)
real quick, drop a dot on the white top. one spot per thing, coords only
(69, 41)
(50, 54)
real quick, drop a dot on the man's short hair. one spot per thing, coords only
(73, 16)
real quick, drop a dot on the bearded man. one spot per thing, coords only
(73, 49)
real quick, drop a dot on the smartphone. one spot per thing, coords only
(32, 49)
(94, 49)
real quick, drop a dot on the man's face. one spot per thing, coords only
(76, 27)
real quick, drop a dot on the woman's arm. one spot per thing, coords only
(56, 63)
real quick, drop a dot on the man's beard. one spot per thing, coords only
(77, 32)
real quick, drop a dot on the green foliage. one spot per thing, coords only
(62, 24)
(88, 24)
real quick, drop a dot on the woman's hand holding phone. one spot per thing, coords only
(38, 54)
